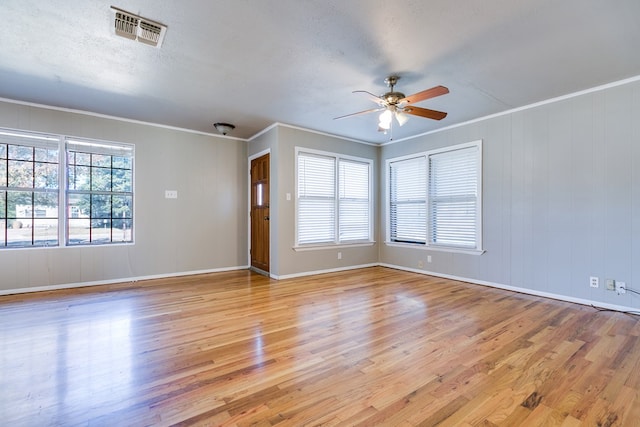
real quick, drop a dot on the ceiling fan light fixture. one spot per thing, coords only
(396, 104)
(385, 119)
(224, 128)
(402, 117)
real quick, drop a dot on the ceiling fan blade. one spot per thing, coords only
(424, 112)
(372, 110)
(425, 94)
(373, 97)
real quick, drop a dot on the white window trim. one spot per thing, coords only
(429, 246)
(329, 245)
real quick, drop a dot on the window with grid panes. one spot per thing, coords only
(29, 195)
(99, 192)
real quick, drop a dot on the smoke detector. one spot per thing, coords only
(134, 27)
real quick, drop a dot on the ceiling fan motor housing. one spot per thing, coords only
(392, 98)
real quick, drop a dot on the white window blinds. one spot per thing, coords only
(435, 198)
(408, 200)
(333, 200)
(354, 200)
(316, 199)
(453, 197)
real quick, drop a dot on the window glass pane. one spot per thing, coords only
(45, 205)
(100, 179)
(3, 173)
(101, 160)
(20, 174)
(79, 205)
(100, 206)
(19, 204)
(101, 231)
(19, 152)
(121, 162)
(46, 175)
(122, 180)
(122, 206)
(82, 159)
(45, 232)
(3, 151)
(79, 178)
(46, 155)
(19, 234)
(3, 217)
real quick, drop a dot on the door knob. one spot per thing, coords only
(266, 218)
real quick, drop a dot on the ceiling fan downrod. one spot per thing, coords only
(392, 97)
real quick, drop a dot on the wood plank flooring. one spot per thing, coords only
(370, 347)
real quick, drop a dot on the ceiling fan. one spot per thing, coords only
(396, 105)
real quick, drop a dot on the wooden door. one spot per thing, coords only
(260, 213)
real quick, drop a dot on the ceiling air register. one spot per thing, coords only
(135, 27)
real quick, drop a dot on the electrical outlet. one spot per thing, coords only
(621, 288)
(428, 258)
(339, 255)
(420, 264)
(594, 282)
(171, 194)
(611, 285)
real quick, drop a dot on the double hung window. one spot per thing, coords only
(99, 192)
(333, 203)
(55, 189)
(29, 188)
(435, 198)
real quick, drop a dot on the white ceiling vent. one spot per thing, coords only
(135, 27)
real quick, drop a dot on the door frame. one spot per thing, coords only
(249, 159)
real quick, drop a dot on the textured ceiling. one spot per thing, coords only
(256, 62)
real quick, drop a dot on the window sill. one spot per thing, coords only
(322, 246)
(436, 248)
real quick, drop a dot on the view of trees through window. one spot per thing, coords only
(100, 197)
(97, 193)
(29, 194)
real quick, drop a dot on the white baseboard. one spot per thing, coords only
(559, 297)
(115, 281)
(330, 270)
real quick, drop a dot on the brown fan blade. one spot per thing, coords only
(424, 112)
(360, 112)
(425, 94)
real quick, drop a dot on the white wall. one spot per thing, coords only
(561, 198)
(203, 230)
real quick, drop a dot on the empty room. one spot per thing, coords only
(320, 213)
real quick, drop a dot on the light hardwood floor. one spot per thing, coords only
(376, 347)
